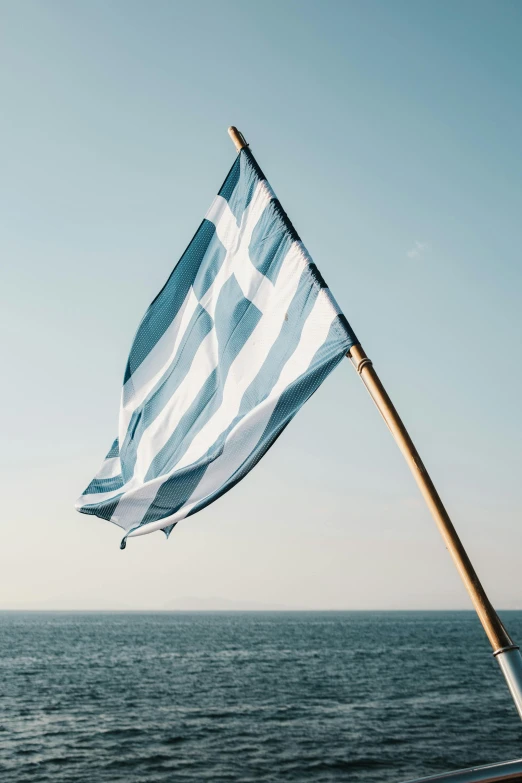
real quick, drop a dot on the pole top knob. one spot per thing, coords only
(237, 137)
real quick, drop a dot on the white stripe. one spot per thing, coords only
(160, 430)
(250, 359)
(236, 241)
(225, 222)
(98, 497)
(143, 379)
(243, 439)
(110, 468)
(216, 209)
(153, 367)
(156, 435)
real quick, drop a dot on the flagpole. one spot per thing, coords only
(505, 650)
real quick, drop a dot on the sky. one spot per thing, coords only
(391, 134)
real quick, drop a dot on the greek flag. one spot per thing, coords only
(242, 334)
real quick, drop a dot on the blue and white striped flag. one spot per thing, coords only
(242, 334)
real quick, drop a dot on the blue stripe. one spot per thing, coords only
(235, 319)
(200, 325)
(175, 491)
(104, 485)
(283, 347)
(114, 450)
(97, 484)
(227, 188)
(210, 263)
(253, 165)
(270, 243)
(292, 399)
(241, 196)
(166, 305)
(297, 393)
(103, 510)
(345, 328)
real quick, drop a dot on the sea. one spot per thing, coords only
(249, 696)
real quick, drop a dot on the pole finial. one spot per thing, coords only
(237, 137)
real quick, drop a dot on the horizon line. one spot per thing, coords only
(238, 610)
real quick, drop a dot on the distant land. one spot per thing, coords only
(194, 604)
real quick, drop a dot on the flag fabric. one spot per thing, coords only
(241, 335)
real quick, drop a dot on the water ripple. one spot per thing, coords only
(240, 697)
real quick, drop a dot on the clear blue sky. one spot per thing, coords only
(391, 133)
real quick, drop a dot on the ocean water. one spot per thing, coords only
(319, 696)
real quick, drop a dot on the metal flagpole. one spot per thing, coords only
(505, 650)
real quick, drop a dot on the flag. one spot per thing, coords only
(241, 335)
